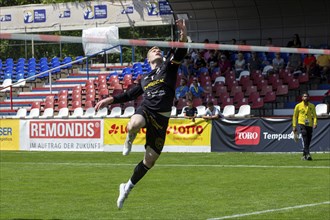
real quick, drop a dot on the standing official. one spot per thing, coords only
(305, 115)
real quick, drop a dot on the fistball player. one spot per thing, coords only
(158, 90)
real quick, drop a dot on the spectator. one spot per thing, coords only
(295, 42)
(212, 112)
(198, 63)
(233, 41)
(190, 111)
(326, 100)
(323, 64)
(224, 64)
(278, 63)
(196, 90)
(239, 64)
(182, 90)
(254, 63)
(212, 62)
(294, 63)
(269, 42)
(309, 64)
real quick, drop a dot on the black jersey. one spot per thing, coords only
(158, 86)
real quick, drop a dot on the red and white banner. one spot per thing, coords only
(63, 135)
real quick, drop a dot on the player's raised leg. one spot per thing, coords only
(134, 125)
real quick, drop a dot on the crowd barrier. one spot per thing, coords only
(183, 135)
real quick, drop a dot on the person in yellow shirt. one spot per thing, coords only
(323, 64)
(305, 116)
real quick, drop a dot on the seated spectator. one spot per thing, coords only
(184, 66)
(294, 63)
(295, 42)
(212, 62)
(224, 64)
(323, 64)
(309, 64)
(239, 64)
(196, 90)
(269, 42)
(212, 112)
(198, 63)
(278, 63)
(254, 63)
(190, 111)
(182, 90)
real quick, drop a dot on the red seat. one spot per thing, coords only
(63, 92)
(103, 86)
(287, 78)
(253, 96)
(113, 83)
(261, 83)
(36, 105)
(243, 101)
(219, 90)
(91, 91)
(49, 104)
(62, 104)
(89, 82)
(128, 77)
(257, 103)
(276, 83)
(265, 89)
(293, 84)
(76, 92)
(282, 90)
(270, 97)
(89, 104)
(113, 77)
(303, 78)
(181, 103)
(215, 75)
(223, 97)
(90, 97)
(227, 101)
(103, 93)
(197, 102)
(62, 98)
(127, 83)
(234, 90)
(250, 89)
(283, 73)
(245, 83)
(76, 104)
(238, 97)
(272, 78)
(76, 97)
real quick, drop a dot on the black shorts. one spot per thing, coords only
(156, 126)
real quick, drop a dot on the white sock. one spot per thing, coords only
(129, 185)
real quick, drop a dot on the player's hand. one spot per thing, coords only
(103, 103)
(181, 25)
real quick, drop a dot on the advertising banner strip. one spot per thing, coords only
(180, 132)
(264, 135)
(9, 134)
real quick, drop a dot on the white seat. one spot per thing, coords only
(34, 113)
(173, 111)
(20, 83)
(181, 115)
(218, 107)
(115, 112)
(219, 79)
(63, 113)
(48, 113)
(243, 73)
(102, 112)
(201, 109)
(6, 82)
(229, 111)
(21, 113)
(77, 113)
(243, 111)
(321, 109)
(89, 113)
(128, 112)
(266, 69)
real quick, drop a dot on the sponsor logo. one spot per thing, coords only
(63, 129)
(96, 12)
(128, 10)
(247, 135)
(175, 130)
(65, 14)
(279, 137)
(35, 16)
(6, 131)
(4, 18)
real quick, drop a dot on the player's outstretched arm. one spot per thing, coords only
(181, 26)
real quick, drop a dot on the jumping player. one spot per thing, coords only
(158, 90)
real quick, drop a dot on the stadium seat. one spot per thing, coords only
(115, 112)
(235, 89)
(89, 113)
(227, 101)
(250, 89)
(228, 111)
(5, 83)
(48, 113)
(219, 90)
(128, 112)
(243, 111)
(34, 113)
(321, 109)
(77, 113)
(101, 113)
(181, 115)
(63, 113)
(219, 80)
(21, 113)
(173, 111)
(243, 101)
(282, 90)
(265, 89)
(89, 104)
(201, 109)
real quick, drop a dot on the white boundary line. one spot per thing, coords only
(169, 165)
(270, 210)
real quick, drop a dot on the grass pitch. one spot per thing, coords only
(79, 185)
